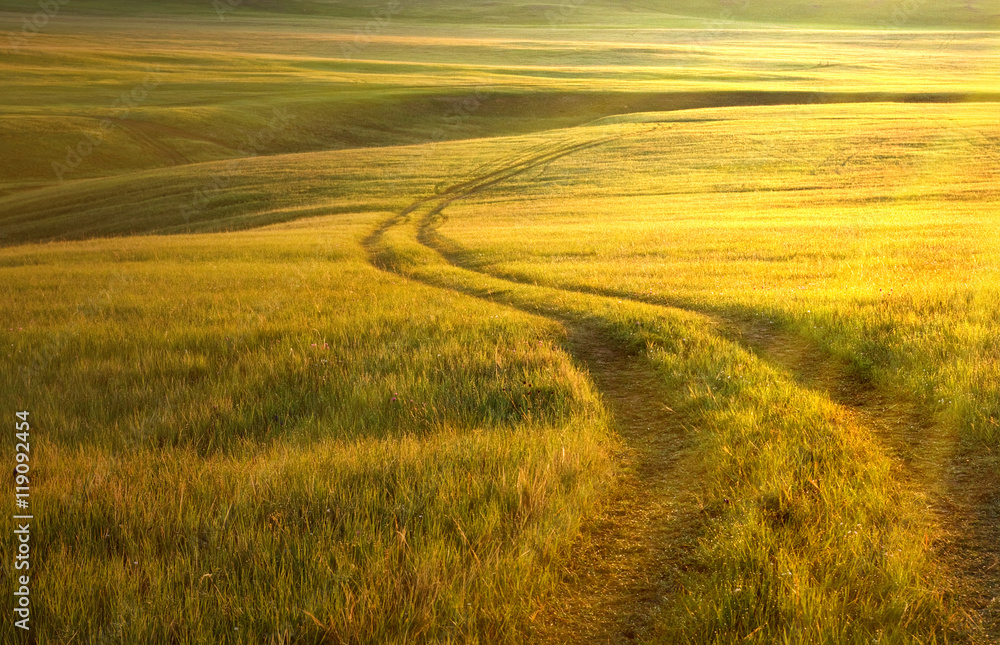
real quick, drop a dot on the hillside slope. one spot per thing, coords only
(881, 14)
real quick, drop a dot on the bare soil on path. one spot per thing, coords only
(630, 556)
(959, 482)
(629, 560)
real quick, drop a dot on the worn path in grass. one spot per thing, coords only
(630, 554)
(959, 482)
(626, 562)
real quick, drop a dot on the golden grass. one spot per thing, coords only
(808, 536)
(258, 436)
(872, 231)
(230, 437)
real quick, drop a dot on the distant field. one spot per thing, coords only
(505, 322)
(661, 13)
(79, 104)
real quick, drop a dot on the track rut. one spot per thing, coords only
(625, 563)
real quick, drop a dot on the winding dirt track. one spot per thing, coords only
(959, 483)
(625, 565)
(628, 559)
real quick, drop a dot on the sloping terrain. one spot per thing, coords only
(701, 13)
(496, 322)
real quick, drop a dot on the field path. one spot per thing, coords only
(625, 565)
(959, 485)
(628, 558)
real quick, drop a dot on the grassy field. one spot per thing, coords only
(254, 457)
(699, 13)
(504, 322)
(872, 231)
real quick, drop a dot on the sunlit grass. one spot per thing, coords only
(808, 536)
(872, 230)
(261, 434)
(257, 436)
(207, 353)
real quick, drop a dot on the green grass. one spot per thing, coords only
(699, 13)
(268, 408)
(227, 440)
(871, 231)
(319, 86)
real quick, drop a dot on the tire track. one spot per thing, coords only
(610, 608)
(628, 559)
(960, 482)
(445, 197)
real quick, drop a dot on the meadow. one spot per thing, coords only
(503, 323)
